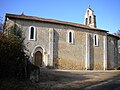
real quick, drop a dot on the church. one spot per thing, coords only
(66, 45)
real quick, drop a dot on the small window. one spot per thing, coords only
(70, 37)
(32, 32)
(96, 40)
(88, 12)
(90, 20)
(86, 21)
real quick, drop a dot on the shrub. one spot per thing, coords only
(12, 56)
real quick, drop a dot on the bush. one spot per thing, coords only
(12, 56)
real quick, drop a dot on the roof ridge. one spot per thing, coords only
(51, 21)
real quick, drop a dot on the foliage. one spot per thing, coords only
(12, 54)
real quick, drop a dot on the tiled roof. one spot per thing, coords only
(34, 18)
(113, 35)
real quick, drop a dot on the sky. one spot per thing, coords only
(107, 11)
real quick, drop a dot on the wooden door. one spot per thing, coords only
(38, 58)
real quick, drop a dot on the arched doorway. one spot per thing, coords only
(38, 59)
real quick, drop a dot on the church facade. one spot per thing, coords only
(66, 45)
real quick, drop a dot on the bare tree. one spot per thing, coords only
(117, 33)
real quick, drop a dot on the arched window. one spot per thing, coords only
(90, 20)
(96, 40)
(86, 21)
(32, 31)
(70, 37)
(88, 12)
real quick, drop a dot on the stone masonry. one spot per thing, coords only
(65, 45)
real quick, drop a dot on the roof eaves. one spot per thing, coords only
(34, 18)
(113, 35)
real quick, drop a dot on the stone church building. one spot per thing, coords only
(66, 45)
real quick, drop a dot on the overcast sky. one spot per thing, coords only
(107, 11)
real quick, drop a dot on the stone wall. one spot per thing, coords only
(70, 56)
(65, 55)
(112, 52)
(73, 56)
(98, 52)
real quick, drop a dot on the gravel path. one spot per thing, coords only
(53, 79)
(77, 79)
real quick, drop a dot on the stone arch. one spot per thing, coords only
(38, 56)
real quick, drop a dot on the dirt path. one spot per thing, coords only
(51, 79)
(76, 79)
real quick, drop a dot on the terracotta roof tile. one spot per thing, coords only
(34, 18)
